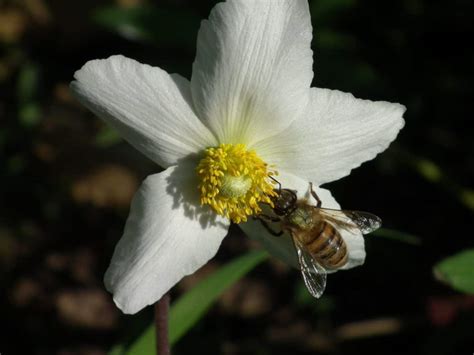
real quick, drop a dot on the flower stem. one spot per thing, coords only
(161, 325)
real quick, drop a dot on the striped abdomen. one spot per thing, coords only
(326, 245)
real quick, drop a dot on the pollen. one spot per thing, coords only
(234, 181)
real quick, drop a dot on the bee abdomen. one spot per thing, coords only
(336, 260)
(328, 246)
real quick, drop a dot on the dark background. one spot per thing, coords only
(67, 180)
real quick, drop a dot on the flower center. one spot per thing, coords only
(234, 180)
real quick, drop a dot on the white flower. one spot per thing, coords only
(247, 111)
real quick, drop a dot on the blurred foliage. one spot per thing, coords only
(433, 173)
(457, 271)
(192, 306)
(160, 27)
(67, 181)
(399, 236)
(29, 112)
(107, 137)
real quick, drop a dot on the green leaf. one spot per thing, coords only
(457, 271)
(193, 305)
(398, 236)
(163, 27)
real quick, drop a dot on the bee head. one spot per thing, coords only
(285, 202)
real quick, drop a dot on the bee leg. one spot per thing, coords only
(270, 230)
(268, 218)
(278, 182)
(313, 193)
(262, 217)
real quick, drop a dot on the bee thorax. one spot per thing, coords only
(302, 218)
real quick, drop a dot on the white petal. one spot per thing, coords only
(337, 134)
(166, 238)
(253, 68)
(282, 247)
(150, 109)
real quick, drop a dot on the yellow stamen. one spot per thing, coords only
(234, 181)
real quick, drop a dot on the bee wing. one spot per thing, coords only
(314, 275)
(352, 220)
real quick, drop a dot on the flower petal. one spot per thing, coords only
(150, 109)
(337, 134)
(282, 247)
(253, 68)
(166, 237)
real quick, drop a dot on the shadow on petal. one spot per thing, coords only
(182, 185)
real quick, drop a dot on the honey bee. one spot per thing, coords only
(316, 233)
